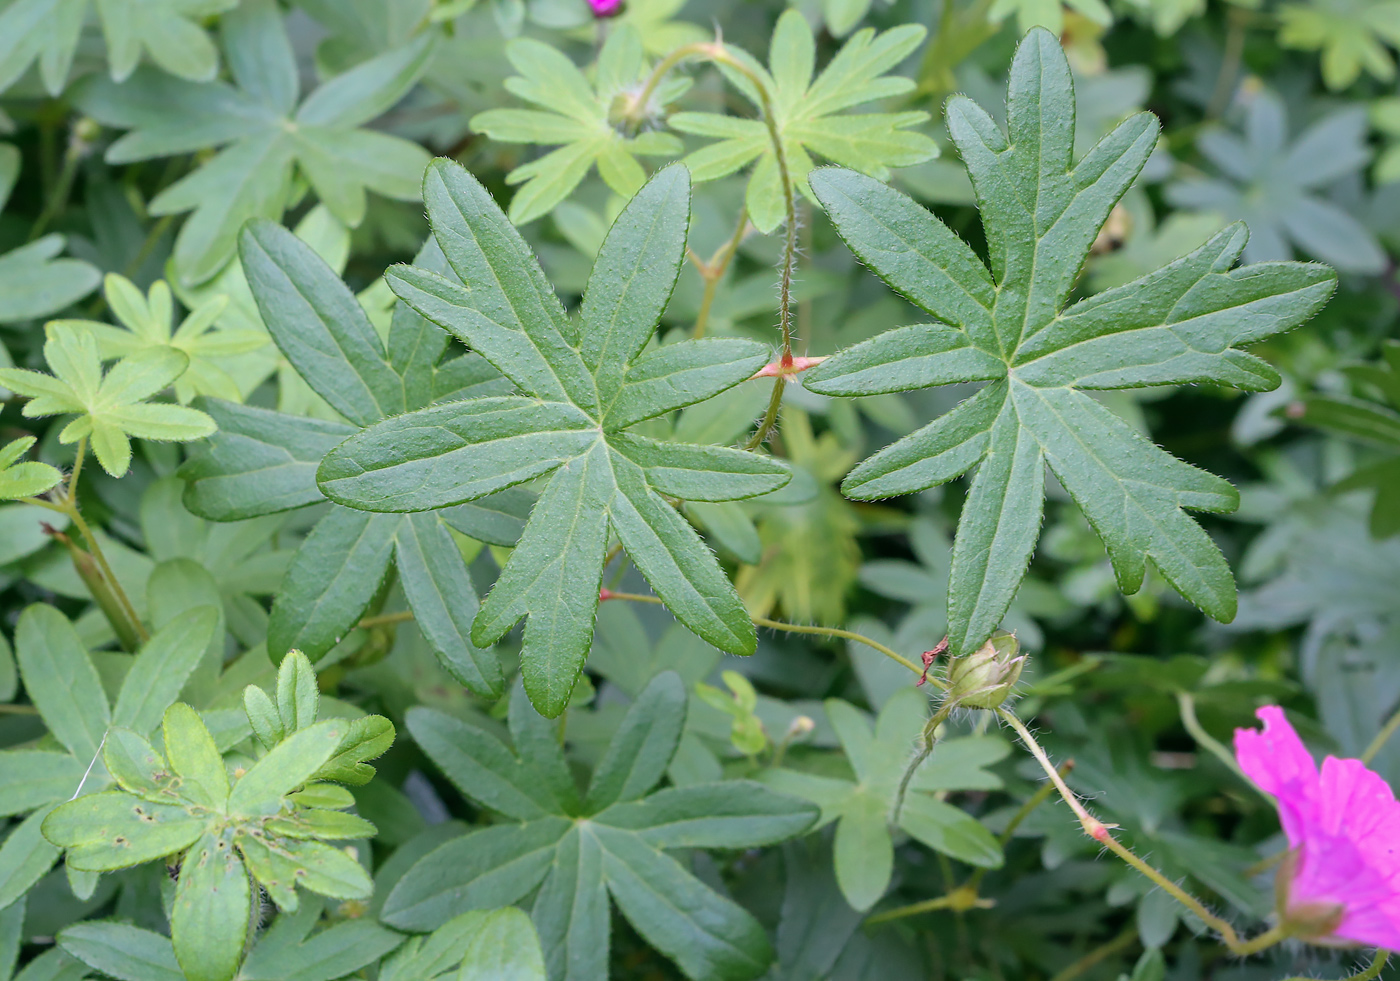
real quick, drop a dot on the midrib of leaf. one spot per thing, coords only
(545, 356)
(660, 898)
(316, 607)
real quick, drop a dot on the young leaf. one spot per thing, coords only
(1350, 37)
(571, 424)
(210, 920)
(27, 479)
(806, 115)
(265, 136)
(611, 848)
(861, 808)
(578, 115)
(149, 324)
(112, 408)
(1010, 327)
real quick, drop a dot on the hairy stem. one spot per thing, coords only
(966, 896)
(797, 628)
(1097, 830)
(1370, 974)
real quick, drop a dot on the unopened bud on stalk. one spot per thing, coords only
(801, 726)
(605, 8)
(985, 678)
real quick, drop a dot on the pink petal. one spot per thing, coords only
(1281, 765)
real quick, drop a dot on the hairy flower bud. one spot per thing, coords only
(985, 678)
(605, 8)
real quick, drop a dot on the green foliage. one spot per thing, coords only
(1376, 424)
(33, 281)
(49, 31)
(862, 807)
(1010, 327)
(1272, 185)
(807, 116)
(111, 407)
(24, 478)
(580, 115)
(654, 398)
(583, 390)
(270, 820)
(1352, 36)
(487, 944)
(579, 849)
(266, 134)
(149, 321)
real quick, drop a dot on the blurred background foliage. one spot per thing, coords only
(138, 137)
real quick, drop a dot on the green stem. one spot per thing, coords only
(930, 740)
(1187, 705)
(1370, 974)
(385, 619)
(1382, 738)
(799, 628)
(58, 198)
(1229, 63)
(701, 49)
(713, 271)
(1099, 832)
(1096, 956)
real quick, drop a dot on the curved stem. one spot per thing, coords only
(1187, 704)
(796, 628)
(1118, 944)
(930, 740)
(701, 49)
(58, 200)
(1370, 974)
(385, 619)
(1100, 832)
(713, 271)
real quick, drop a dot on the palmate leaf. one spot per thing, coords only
(582, 388)
(267, 135)
(864, 851)
(167, 31)
(579, 849)
(807, 115)
(112, 407)
(577, 114)
(1010, 327)
(1276, 185)
(149, 324)
(262, 462)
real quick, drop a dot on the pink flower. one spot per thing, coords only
(605, 8)
(1341, 883)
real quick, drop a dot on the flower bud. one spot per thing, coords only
(605, 8)
(985, 678)
(801, 726)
